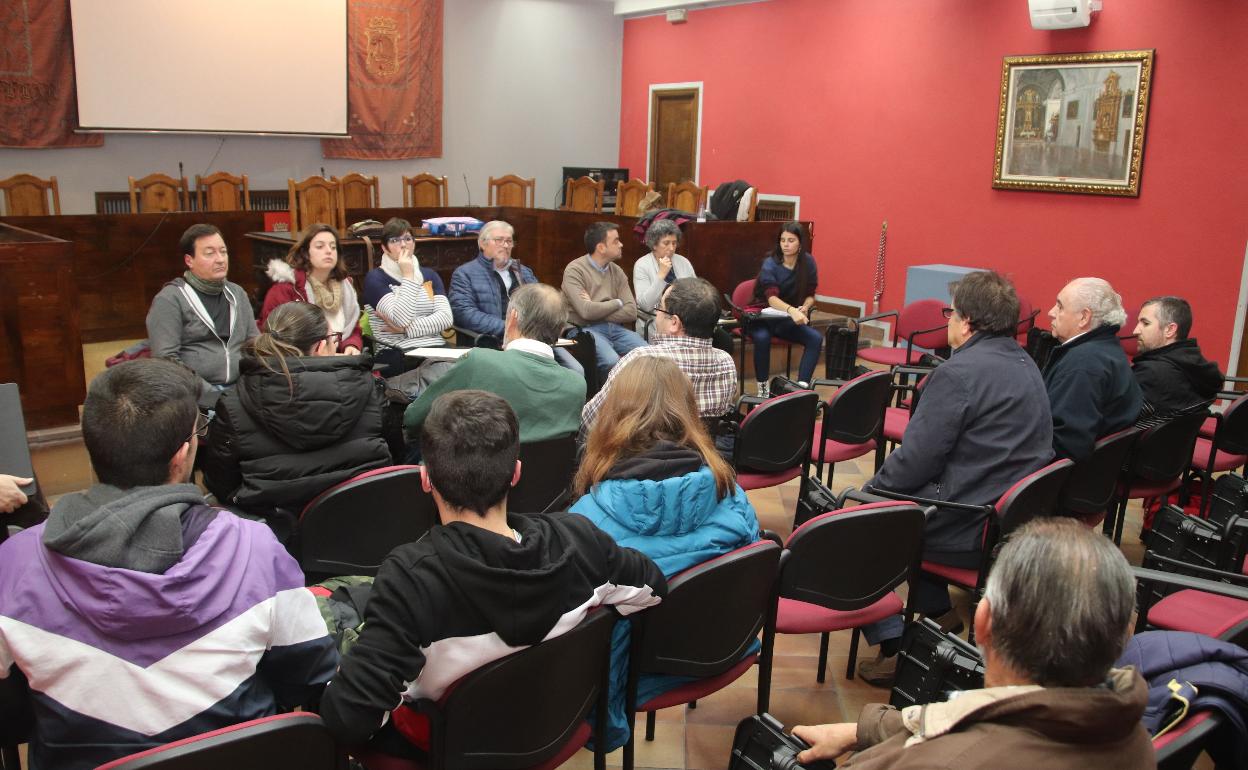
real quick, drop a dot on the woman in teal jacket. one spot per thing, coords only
(651, 479)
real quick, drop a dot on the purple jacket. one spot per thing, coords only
(120, 660)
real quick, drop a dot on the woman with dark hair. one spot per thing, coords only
(786, 284)
(406, 303)
(300, 419)
(651, 479)
(312, 272)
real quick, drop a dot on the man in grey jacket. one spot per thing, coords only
(202, 319)
(982, 424)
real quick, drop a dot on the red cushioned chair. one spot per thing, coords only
(1225, 450)
(546, 469)
(742, 296)
(840, 570)
(1227, 396)
(1178, 748)
(852, 420)
(294, 741)
(350, 528)
(526, 711)
(909, 379)
(774, 439)
(1204, 601)
(1156, 466)
(712, 615)
(919, 324)
(1092, 483)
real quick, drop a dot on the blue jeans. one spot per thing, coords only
(784, 328)
(610, 342)
(565, 359)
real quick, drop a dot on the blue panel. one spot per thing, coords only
(932, 281)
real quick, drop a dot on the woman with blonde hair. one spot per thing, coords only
(313, 272)
(651, 479)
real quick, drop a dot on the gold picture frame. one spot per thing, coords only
(1073, 122)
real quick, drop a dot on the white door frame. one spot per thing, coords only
(697, 152)
(1241, 309)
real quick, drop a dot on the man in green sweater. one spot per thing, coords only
(598, 296)
(546, 397)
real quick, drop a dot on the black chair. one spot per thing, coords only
(1156, 466)
(525, 711)
(711, 616)
(350, 528)
(546, 469)
(1092, 483)
(585, 351)
(840, 570)
(1225, 450)
(293, 741)
(773, 441)
(853, 419)
(1176, 596)
(17, 719)
(1179, 748)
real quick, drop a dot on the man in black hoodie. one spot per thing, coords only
(1173, 376)
(481, 586)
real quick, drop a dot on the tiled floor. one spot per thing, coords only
(685, 738)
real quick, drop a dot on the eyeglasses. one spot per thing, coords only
(201, 427)
(948, 312)
(334, 337)
(400, 239)
(656, 310)
(504, 241)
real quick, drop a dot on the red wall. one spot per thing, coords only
(873, 110)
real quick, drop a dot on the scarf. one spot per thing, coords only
(202, 286)
(328, 295)
(391, 266)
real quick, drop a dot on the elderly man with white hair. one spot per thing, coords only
(1092, 391)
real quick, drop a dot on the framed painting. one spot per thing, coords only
(1073, 122)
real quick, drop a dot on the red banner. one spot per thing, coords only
(38, 105)
(394, 81)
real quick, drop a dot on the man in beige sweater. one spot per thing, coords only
(598, 296)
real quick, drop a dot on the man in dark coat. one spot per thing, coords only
(1092, 392)
(1173, 375)
(982, 424)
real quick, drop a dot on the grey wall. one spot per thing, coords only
(529, 86)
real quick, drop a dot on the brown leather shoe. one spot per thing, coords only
(879, 672)
(950, 622)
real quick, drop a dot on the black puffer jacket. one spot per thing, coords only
(1175, 378)
(271, 448)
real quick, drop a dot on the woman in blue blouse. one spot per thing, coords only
(787, 283)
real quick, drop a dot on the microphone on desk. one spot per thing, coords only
(469, 189)
(179, 169)
(322, 172)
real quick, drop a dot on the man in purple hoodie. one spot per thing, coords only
(139, 614)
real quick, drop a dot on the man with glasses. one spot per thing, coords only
(982, 424)
(684, 321)
(138, 613)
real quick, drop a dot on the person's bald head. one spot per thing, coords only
(1083, 305)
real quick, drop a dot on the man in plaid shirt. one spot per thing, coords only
(684, 321)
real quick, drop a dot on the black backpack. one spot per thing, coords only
(727, 199)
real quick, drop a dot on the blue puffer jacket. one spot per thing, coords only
(665, 505)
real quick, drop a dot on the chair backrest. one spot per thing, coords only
(628, 196)
(157, 193)
(1091, 484)
(1232, 435)
(27, 196)
(855, 412)
(584, 194)
(546, 469)
(1181, 745)
(920, 316)
(222, 192)
(712, 614)
(1164, 451)
(512, 713)
(686, 196)
(851, 558)
(776, 435)
(297, 740)
(359, 191)
(350, 528)
(511, 190)
(425, 190)
(1034, 496)
(315, 199)
(744, 292)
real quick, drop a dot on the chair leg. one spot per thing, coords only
(649, 725)
(827, 481)
(1120, 521)
(880, 448)
(693, 704)
(853, 655)
(823, 657)
(788, 361)
(628, 745)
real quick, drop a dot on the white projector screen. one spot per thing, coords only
(216, 66)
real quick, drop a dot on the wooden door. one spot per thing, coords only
(673, 136)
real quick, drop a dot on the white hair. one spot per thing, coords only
(1097, 295)
(490, 227)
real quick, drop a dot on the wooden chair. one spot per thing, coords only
(425, 190)
(157, 192)
(511, 190)
(584, 194)
(315, 199)
(628, 197)
(27, 196)
(686, 196)
(359, 191)
(222, 192)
